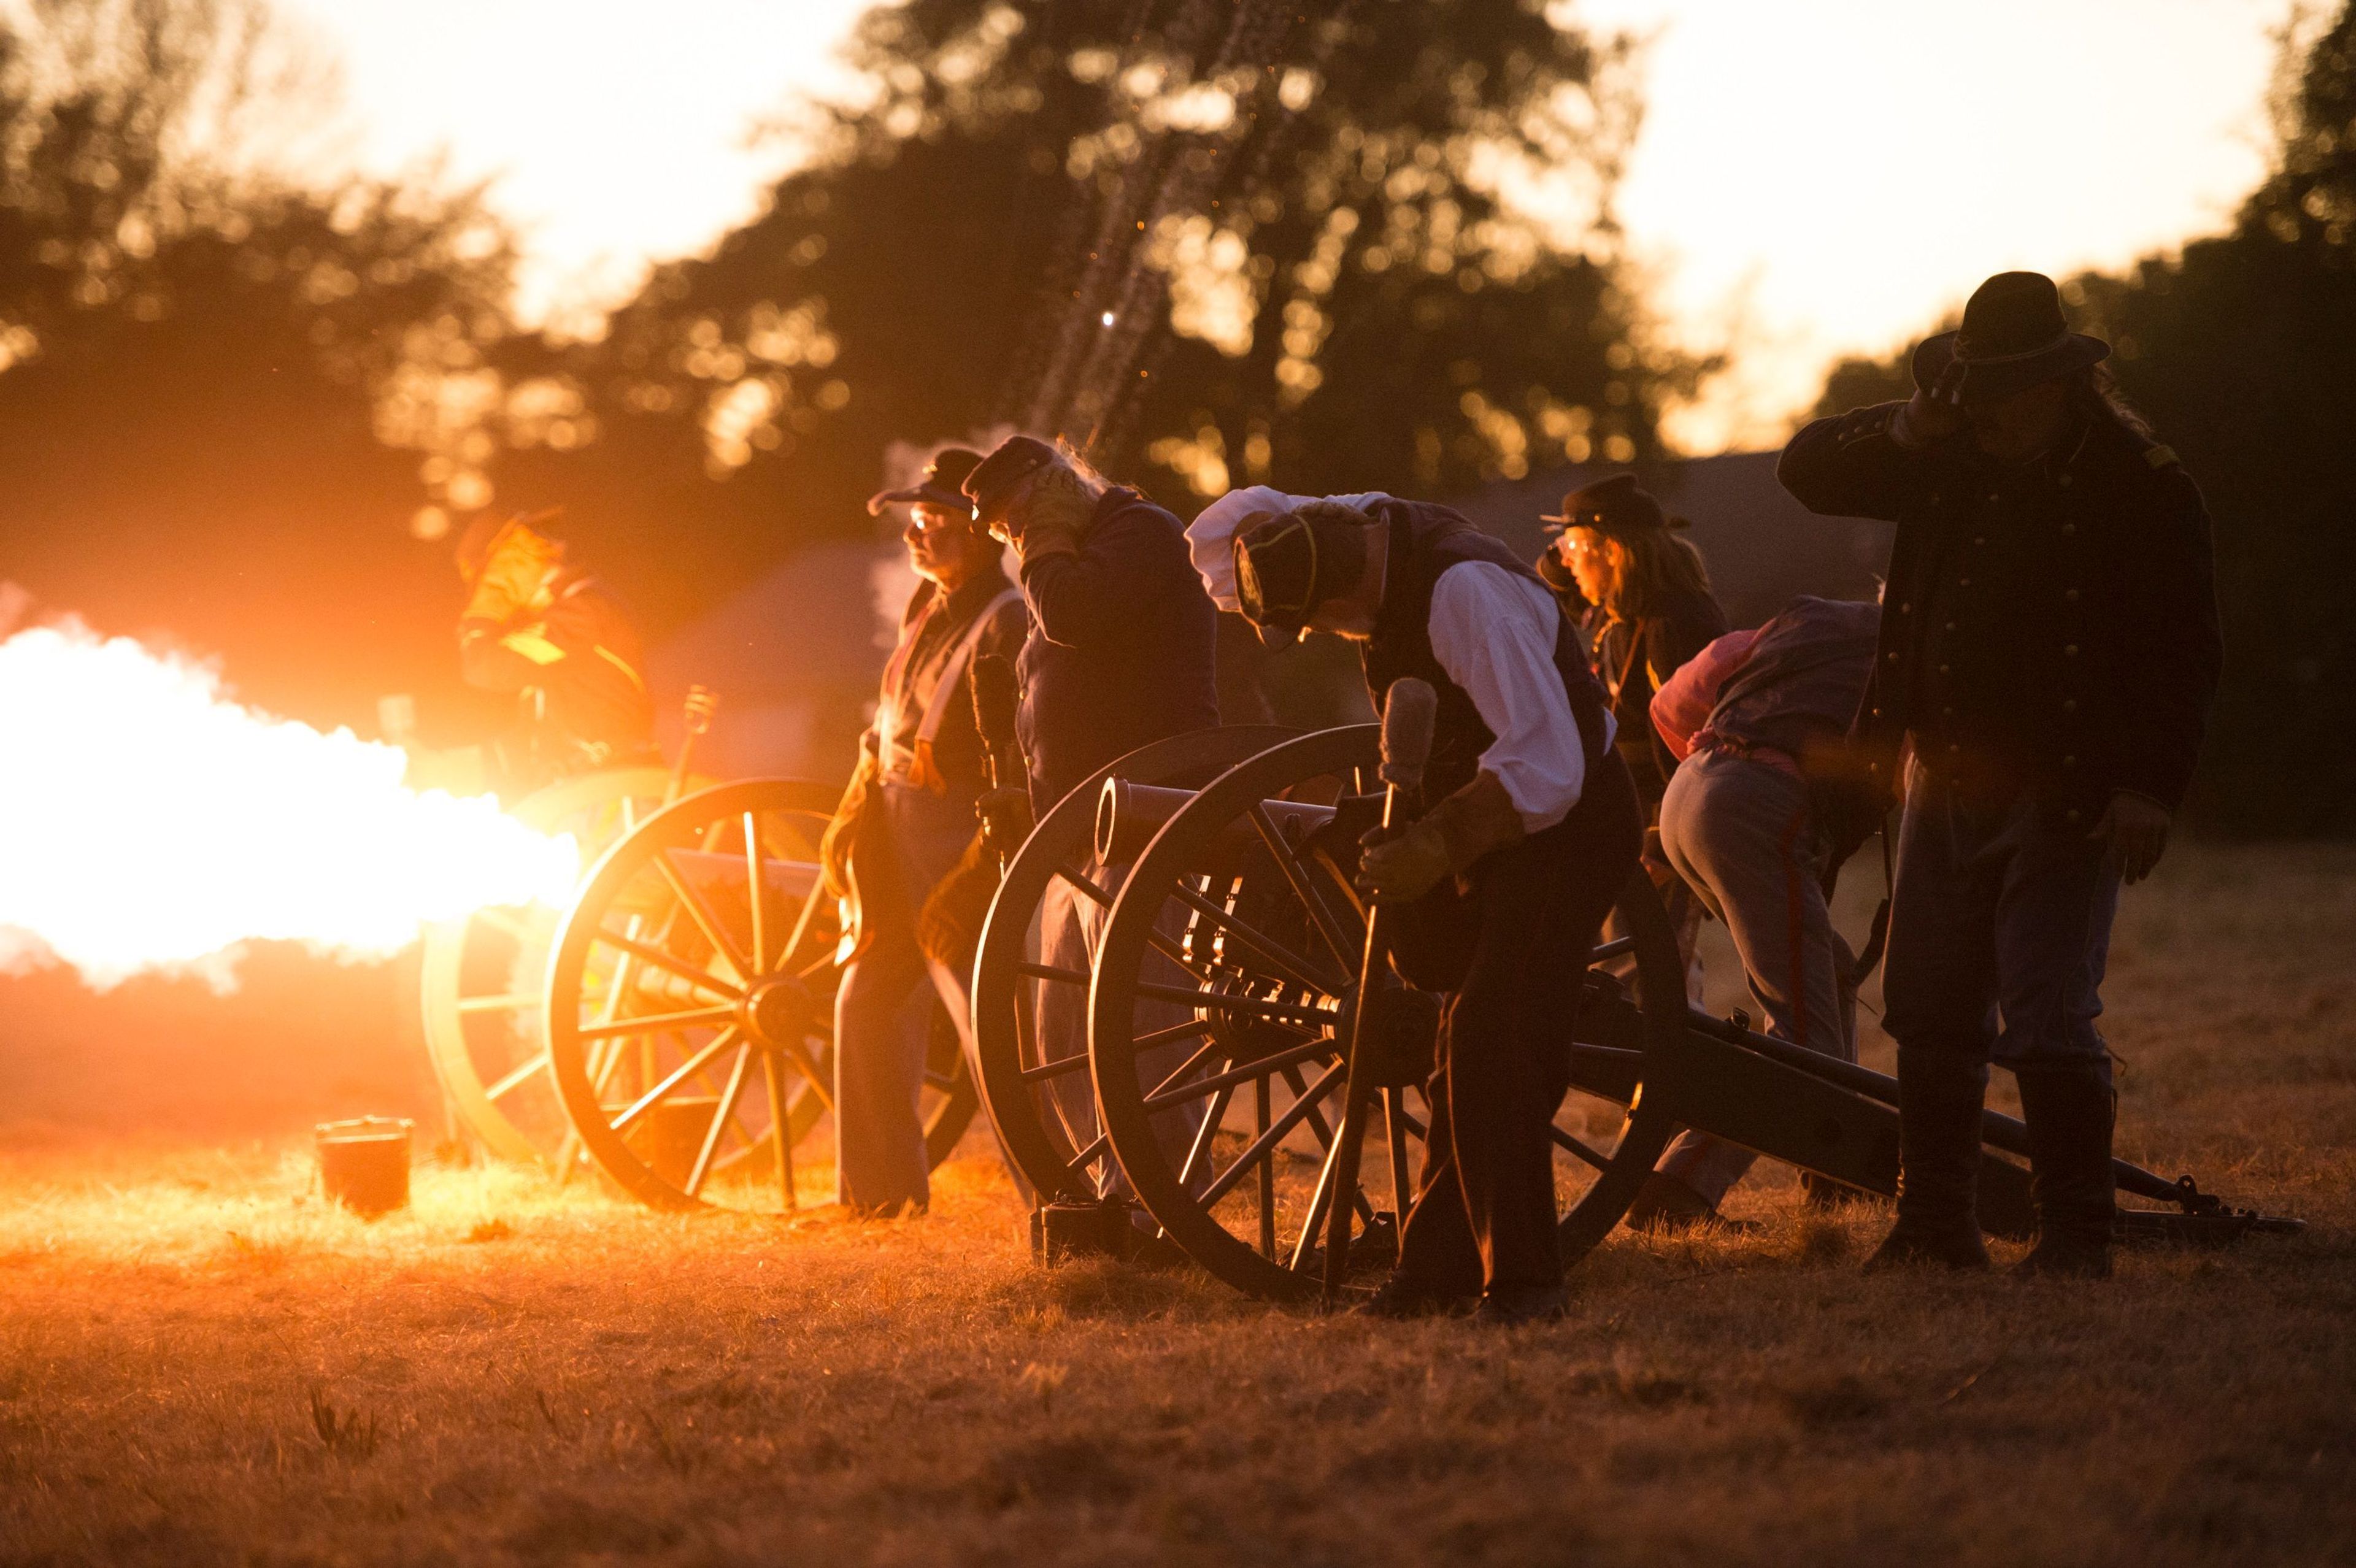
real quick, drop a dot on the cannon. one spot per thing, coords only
(675, 1025)
(1221, 991)
(689, 1003)
(481, 978)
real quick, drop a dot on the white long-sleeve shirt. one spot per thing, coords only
(1491, 630)
(1494, 633)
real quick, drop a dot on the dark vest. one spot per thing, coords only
(1426, 541)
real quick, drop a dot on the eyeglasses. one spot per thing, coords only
(1580, 549)
(930, 520)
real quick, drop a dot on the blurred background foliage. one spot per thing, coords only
(1346, 247)
(2242, 350)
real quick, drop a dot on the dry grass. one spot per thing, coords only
(199, 1363)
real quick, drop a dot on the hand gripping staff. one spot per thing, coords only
(1005, 806)
(1409, 707)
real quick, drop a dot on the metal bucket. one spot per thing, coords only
(364, 1163)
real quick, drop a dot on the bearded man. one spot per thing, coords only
(2049, 649)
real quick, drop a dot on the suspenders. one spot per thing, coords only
(915, 766)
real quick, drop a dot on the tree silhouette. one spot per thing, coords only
(1211, 243)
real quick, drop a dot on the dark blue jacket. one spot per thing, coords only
(2111, 644)
(1121, 648)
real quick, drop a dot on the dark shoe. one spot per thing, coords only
(1667, 1207)
(2069, 1108)
(1513, 1305)
(1402, 1298)
(1940, 1097)
(1946, 1247)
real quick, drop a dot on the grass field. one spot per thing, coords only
(200, 1364)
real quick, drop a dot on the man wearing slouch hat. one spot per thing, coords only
(1502, 884)
(2049, 649)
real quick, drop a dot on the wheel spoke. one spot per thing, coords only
(677, 1076)
(652, 1023)
(807, 1064)
(1220, 1001)
(1205, 1132)
(780, 1131)
(1192, 1063)
(1262, 1145)
(1049, 972)
(1563, 1141)
(753, 888)
(1288, 964)
(1303, 888)
(1057, 1068)
(721, 1117)
(1163, 1098)
(1084, 1156)
(505, 1085)
(706, 919)
(1085, 885)
(677, 965)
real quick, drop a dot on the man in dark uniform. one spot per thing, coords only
(1501, 885)
(1122, 642)
(548, 633)
(2049, 649)
(1122, 652)
(905, 821)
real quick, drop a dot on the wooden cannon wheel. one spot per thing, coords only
(481, 978)
(1219, 1008)
(1020, 1074)
(690, 1003)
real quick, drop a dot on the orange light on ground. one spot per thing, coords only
(148, 822)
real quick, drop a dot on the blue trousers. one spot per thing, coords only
(884, 1008)
(1743, 836)
(2000, 927)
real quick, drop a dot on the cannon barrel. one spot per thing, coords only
(1130, 814)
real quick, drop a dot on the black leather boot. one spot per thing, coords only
(1938, 1102)
(2069, 1108)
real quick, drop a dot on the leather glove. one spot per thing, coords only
(1451, 837)
(513, 577)
(1040, 539)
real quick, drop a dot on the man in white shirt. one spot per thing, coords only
(1500, 886)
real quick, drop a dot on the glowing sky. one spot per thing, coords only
(1818, 175)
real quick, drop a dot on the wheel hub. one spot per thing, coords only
(777, 1011)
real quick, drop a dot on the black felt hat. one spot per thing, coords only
(2013, 337)
(1614, 505)
(995, 478)
(939, 487)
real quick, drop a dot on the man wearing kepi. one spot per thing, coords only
(1502, 882)
(2049, 649)
(903, 822)
(1121, 653)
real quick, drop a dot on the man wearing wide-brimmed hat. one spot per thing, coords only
(2049, 649)
(904, 824)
